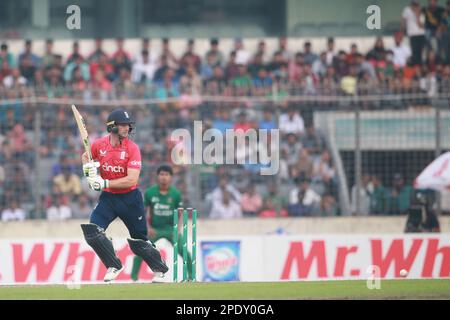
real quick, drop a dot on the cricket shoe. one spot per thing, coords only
(112, 274)
(158, 277)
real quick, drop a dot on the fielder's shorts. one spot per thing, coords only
(129, 207)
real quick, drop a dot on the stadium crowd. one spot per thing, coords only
(306, 184)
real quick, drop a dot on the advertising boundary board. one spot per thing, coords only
(251, 258)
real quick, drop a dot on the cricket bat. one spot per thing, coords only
(83, 132)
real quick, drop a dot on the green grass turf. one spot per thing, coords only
(356, 289)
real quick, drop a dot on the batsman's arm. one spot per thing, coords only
(94, 154)
(85, 158)
(129, 181)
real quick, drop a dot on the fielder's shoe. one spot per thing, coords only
(112, 274)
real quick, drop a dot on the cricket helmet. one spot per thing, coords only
(118, 116)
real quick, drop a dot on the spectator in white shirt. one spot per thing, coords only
(365, 194)
(224, 185)
(311, 198)
(152, 53)
(59, 210)
(283, 49)
(400, 50)
(292, 147)
(144, 68)
(14, 79)
(319, 67)
(330, 52)
(226, 209)
(413, 21)
(13, 212)
(242, 55)
(291, 122)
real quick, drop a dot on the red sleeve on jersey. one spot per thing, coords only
(94, 150)
(134, 159)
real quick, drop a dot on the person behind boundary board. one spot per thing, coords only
(421, 215)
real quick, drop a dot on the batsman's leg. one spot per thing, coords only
(132, 213)
(137, 261)
(95, 236)
(94, 233)
(149, 253)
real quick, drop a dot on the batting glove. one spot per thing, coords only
(97, 183)
(90, 168)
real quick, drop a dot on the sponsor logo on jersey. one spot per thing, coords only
(135, 163)
(115, 169)
(161, 206)
(162, 209)
(122, 155)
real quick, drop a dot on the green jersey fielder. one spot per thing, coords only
(161, 200)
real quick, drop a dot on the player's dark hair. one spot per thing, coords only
(165, 168)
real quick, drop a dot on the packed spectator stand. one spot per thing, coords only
(166, 90)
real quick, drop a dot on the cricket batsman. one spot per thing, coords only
(119, 162)
(161, 200)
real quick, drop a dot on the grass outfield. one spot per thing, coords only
(390, 289)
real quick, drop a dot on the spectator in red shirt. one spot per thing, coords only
(409, 71)
(18, 139)
(5, 70)
(351, 56)
(242, 122)
(296, 67)
(98, 51)
(432, 61)
(251, 202)
(102, 64)
(120, 49)
(269, 210)
(101, 86)
(232, 69)
(100, 81)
